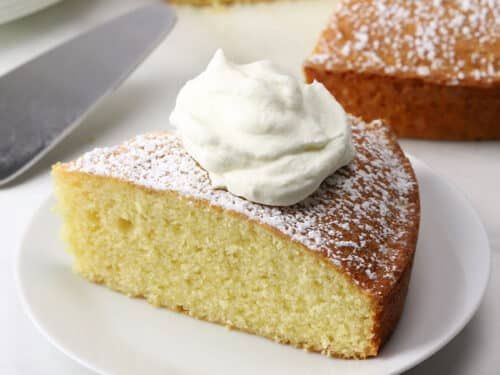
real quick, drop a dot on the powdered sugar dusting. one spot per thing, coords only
(453, 41)
(360, 217)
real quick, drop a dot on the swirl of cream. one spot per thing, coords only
(260, 133)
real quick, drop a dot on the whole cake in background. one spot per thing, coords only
(430, 68)
(323, 265)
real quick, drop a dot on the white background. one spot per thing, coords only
(284, 33)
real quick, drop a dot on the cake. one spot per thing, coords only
(329, 274)
(430, 69)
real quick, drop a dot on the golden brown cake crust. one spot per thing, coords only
(410, 62)
(446, 41)
(415, 108)
(363, 221)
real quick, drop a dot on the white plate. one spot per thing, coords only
(111, 333)
(14, 9)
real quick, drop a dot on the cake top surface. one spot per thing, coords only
(445, 41)
(363, 219)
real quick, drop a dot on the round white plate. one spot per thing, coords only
(111, 333)
(14, 9)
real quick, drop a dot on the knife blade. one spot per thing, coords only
(43, 100)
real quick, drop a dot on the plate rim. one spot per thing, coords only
(466, 318)
(14, 10)
(445, 340)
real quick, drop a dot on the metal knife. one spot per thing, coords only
(43, 100)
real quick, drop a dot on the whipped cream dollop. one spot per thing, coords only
(260, 133)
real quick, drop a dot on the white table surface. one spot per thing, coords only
(142, 104)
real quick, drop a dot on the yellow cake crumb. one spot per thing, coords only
(212, 265)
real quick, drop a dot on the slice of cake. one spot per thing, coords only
(430, 68)
(329, 274)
